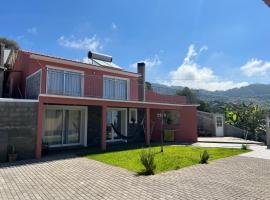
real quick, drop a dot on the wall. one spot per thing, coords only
(94, 126)
(186, 131)
(18, 127)
(206, 124)
(93, 81)
(162, 98)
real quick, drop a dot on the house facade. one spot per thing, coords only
(96, 104)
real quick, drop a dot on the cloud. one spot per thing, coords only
(87, 43)
(192, 75)
(255, 67)
(32, 30)
(114, 27)
(149, 62)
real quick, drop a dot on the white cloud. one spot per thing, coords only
(192, 75)
(114, 26)
(32, 30)
(87, 43)
(149, 62)
(255, 67)
(86, 60)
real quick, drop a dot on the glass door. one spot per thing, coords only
(72, 127)
(63, 127)
(116, 123)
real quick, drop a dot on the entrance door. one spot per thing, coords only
(219, 126)
(118, 118)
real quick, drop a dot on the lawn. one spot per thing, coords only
(173, 157)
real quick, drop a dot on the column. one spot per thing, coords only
(103, 127)
(39, 129)
(148, 127)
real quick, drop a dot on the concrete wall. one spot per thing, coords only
(206, 124)
(18, 127)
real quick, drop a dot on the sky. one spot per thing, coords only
(202, 44)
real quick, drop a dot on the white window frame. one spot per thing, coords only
(29, 76)
(83, 134)
(136, 115)
(48, 67)
(120, 78)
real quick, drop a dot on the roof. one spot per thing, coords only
(101, 65)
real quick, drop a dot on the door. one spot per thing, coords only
(118, 119)
(64, 126)
(219, 126)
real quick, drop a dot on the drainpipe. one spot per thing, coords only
(141, 87)
(2, 48)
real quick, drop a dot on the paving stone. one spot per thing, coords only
(71, 177)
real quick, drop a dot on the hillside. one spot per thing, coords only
(255, 93)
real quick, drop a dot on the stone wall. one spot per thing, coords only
(18, 127)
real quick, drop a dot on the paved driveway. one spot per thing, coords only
(79, 178)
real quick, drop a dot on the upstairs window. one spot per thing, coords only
(115, 88)
(33, 85)
(62, 82)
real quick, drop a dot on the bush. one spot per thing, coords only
(244, 147)
(204, 157)
(147, 159)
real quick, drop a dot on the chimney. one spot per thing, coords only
(141, 87)
(2, 49)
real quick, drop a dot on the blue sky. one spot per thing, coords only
(209, 44)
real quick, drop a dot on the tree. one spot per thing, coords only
(193, 99)
(11, 44)
(247, 117)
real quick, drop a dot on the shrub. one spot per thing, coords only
(204, 157)
(244, 147)
(147, 159)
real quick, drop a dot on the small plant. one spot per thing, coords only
(204, 157)
(244, 147)
(147, 159)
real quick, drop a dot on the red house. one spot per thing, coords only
(97, 104)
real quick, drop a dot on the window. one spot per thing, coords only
(219, 121)
(132, 115)
(64, 82)
(33, 85)
(171, 117)
(115, 88)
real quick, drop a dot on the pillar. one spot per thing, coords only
(148, 127)
(103, 127)
(39, 129)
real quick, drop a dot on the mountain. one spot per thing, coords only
(254, 93)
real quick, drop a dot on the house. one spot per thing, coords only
(96, 104)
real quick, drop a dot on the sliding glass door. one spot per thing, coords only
(116, 123)
(63, 126)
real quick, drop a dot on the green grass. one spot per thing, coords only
(173, 157)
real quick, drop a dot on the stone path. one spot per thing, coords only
(236, 177)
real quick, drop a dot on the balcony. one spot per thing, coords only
(78, 84)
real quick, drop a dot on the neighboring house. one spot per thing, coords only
(96, 104)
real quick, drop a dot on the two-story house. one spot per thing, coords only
(96, 104)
